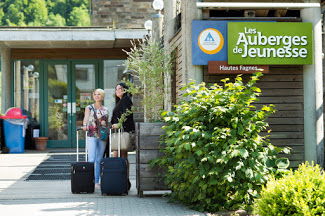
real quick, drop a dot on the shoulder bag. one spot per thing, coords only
(125, 140)
(102, 131)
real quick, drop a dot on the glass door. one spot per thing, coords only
(69, 90)
(57, 101)
(83, 85)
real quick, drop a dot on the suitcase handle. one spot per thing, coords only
(119, 142)
(79, 129)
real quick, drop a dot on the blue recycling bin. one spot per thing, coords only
(14, 125)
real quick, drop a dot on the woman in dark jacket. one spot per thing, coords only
(122, 104)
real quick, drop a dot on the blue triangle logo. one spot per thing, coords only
(209, 38)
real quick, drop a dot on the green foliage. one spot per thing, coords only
(124, 117)
(215, 158)
(44, 13)
(55, 20)
(56, 117)
(1, 15)
(301, 192)
(149, 63)
(15, 15)
(79, 17)
(58, 7)
(57, 88)
(36, 12)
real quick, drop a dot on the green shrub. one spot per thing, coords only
(215, 158)
(149, 64)
(301, 192)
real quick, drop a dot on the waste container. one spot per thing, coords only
(14, 125)
(32, 127)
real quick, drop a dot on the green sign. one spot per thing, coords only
(270, 43)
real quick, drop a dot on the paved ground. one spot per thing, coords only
(55, 198)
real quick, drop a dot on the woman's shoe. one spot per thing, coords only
(129, 184)
(97, 186)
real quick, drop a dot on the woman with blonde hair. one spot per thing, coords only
(96, 147)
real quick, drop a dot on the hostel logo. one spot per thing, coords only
(210, 41)
(209, 37)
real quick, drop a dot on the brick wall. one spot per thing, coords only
(121, 14)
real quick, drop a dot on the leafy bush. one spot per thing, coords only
(301, 192)
(149, 64)
(215, 158)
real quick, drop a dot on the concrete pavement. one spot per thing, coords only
(48, 197)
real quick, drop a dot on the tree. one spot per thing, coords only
(15, 16)
(79, 17)
(58, 7)
(44, 13)
(36, 12)
(1, 15)
(56, 20)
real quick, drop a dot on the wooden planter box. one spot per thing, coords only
(147, 142)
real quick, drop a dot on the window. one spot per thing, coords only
(113, 74)
(26, 88)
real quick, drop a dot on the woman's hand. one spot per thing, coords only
(86, 118)
(114, 126)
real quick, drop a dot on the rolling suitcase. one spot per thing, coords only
(82, 173)
(114, 173)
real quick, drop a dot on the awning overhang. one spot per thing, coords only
(31, 37)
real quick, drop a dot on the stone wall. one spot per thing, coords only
(121, 14)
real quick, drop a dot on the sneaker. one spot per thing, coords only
(97, 186)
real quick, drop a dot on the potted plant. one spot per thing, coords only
(40, 143)
(149, 64)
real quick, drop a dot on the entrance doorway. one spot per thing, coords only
(69, 90)
(55, 93)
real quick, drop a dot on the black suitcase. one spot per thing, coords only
(82, 173)
(114, 174)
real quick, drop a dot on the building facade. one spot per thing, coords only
(51, 72)
(295, 90)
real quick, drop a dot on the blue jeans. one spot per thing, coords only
(96, 148)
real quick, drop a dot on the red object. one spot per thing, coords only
(14, 113)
